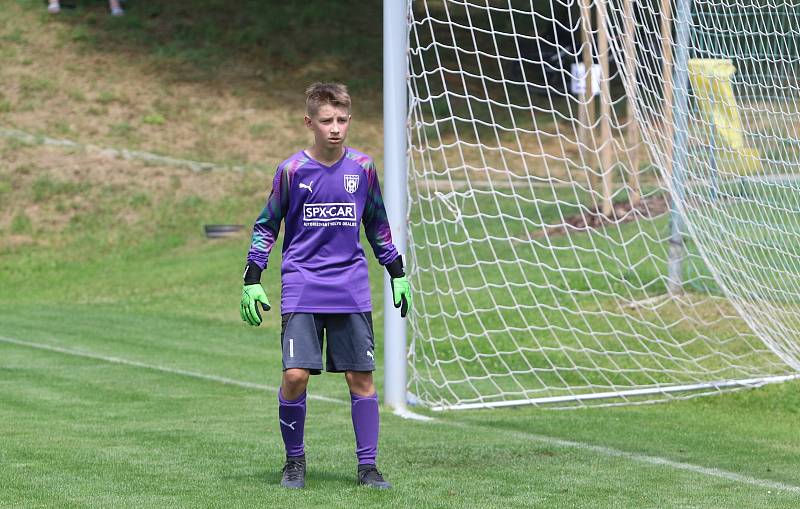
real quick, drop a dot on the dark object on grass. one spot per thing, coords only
(64, 5)
(72, 5)
(216, 231)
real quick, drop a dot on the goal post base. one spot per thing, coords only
(726, 384)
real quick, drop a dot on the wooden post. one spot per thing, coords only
(633, 137)
(586, 110)
(606, 154)
(669, 90)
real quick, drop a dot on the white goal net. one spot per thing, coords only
(604, 199)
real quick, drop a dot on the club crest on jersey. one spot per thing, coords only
(350, 183)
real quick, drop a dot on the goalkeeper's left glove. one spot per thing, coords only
(401, 290)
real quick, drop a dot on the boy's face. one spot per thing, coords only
(329, 125)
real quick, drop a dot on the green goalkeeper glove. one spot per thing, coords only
(251, 294)
(401, 291)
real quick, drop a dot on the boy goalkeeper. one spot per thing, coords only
(323, 194)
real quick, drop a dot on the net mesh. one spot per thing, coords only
(603, 203)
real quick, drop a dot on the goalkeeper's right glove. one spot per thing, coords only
(252, 293)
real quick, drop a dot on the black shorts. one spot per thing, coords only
(351, 342)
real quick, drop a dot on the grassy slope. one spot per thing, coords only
(203, 81)
(106, 256)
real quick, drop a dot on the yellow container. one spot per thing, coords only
(711, 83)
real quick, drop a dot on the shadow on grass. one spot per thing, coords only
(260, 41)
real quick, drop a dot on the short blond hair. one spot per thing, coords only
(320, 94)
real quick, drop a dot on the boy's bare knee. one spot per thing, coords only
(294, 384)
(360, 382)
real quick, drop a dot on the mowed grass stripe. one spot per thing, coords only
(164, 369)
(644, 458)
(551, 441)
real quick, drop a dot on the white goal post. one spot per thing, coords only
(603, 199)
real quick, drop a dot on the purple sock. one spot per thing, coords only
(366, 424)
(292, 416)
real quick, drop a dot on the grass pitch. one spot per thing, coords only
(126, 376)
(112, 396)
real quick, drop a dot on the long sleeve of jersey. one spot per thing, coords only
(268, 224)
(376, 223)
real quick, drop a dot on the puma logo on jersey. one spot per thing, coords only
(307, 186)
(369, 353)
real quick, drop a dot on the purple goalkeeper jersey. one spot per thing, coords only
(324, 269)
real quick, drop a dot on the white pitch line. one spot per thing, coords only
(163, 369)
(641, 458)
(558, 442)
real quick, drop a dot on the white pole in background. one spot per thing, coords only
(679, 133)
(395, 114)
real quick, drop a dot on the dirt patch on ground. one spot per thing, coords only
(622, 212)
